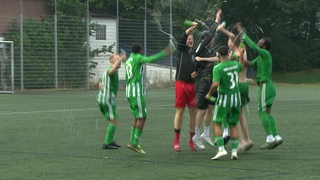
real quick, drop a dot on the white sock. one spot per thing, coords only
(234, 150)
(197, 132)
(206, 130)
(277, 138)
(221, 148)
(270, 138)
(225, 132)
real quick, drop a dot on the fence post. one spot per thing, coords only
(21, 44)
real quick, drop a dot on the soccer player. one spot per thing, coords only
(106, 98)
(203, 83)
(238, 52)
(184, 87)
(267, 90)
(227, 108)
(135, 90)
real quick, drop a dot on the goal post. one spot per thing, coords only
(6, 67)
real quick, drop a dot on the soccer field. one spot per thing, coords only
(59, 135)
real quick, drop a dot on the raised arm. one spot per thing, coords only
(161, 54)
(192, 28)
(209, 59)
(249, 42)
(225, 31)
(210, 35)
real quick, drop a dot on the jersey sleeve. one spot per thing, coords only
(254, 62)
(216, 75)
(252, 45)
(147, 59)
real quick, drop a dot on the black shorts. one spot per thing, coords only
(202, 89)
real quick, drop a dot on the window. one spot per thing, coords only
(101, 32)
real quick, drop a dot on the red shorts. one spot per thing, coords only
(185, 95)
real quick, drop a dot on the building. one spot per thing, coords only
(10, 11)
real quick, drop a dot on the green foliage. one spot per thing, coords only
(39, 64)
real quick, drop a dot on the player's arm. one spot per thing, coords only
(213, 88)
(159, 55)
(262, 52)
(183, 38)
(192, 28)
(225, 31)
(243, 57)
(215, 83)
(209, 59)
(210, 35)
(123, 56)
(115, 66)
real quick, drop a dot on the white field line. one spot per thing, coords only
(171, 106)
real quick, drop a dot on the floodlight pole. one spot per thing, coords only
(145, 45)
(21, 45)
(171, 34)
(55, 45)
(88, 44)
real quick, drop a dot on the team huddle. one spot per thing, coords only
(212, 83)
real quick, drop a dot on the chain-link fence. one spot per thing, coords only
(59, 51)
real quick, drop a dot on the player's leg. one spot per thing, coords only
(234, 142)
(233, 122)
(202, 106)
(219, 140)
(138, 108)
(196, 138)
(218, 115)
(243, 132)
(192, 117)
(180, 103)
(264, 116)
(177, 123)
(207, 122)
(191, 102)
(109, 113)
(270, 96)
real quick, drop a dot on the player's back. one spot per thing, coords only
(227, 73)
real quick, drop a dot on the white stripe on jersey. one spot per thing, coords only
(235, 99)
(215, 113)
(263, 96)
(138, 89)
(127, 90)
(107, 97)
(140, 106)
(232, 97)
(134, 90)
(225, 98)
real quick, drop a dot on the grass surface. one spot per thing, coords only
(59, 135)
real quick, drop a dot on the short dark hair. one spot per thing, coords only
(223, 50)
(267, 42)
(136, 48)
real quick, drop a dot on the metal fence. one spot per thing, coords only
(56, 51)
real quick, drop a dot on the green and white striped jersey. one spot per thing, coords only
(109, 86)
(227, 74)
(134, 72)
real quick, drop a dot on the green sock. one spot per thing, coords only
(132, 134)
(110, 133)
(219, 140)
(137, 135)
(273, 124)
(234, 143)
(264, 117)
